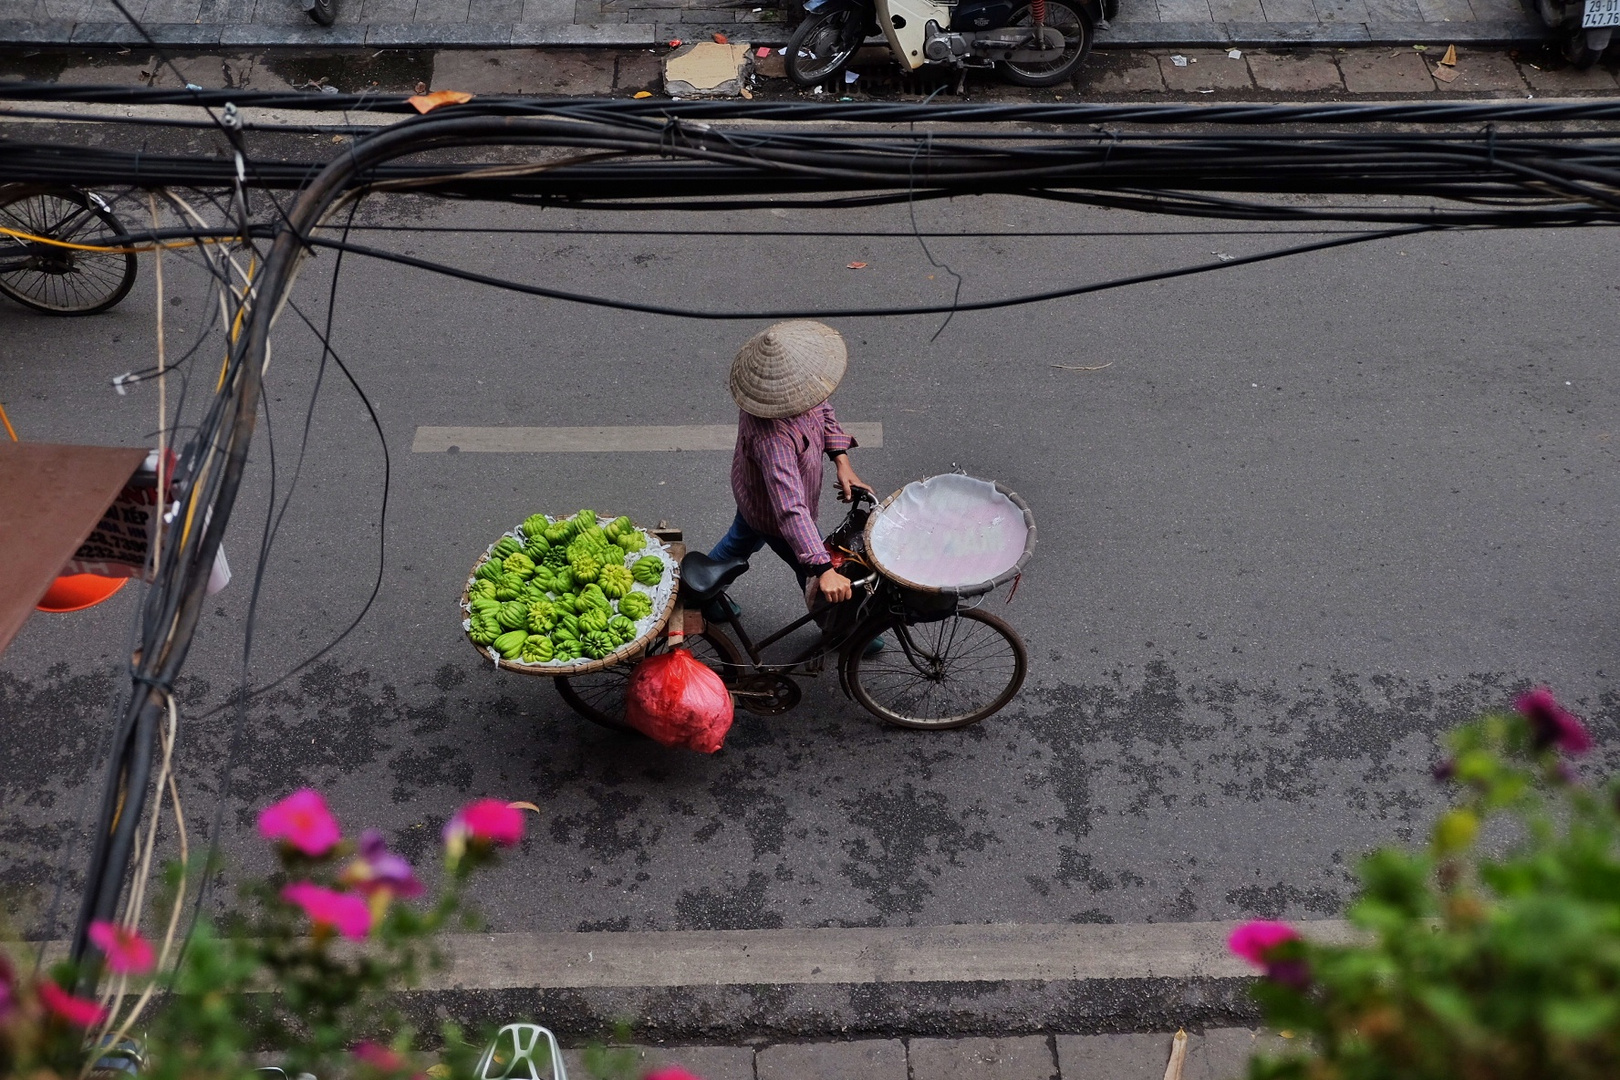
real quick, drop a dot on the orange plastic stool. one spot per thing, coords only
(75, 592)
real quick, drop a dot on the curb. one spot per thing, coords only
(59, 32)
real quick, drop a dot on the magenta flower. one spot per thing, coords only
(75, 1010)
(1553, 724)
(376, 869)
(378, 1057)
(1254, 939)
(303, 821)
(483, 822)
(127, 952)
(344, 912)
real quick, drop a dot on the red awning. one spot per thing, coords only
(51, 497)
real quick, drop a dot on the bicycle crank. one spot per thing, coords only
(765, 693)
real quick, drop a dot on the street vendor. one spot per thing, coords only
(781, 380)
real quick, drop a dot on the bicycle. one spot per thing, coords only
(57, 280)
(945, 664)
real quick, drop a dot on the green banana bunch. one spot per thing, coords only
(585, 519)
(560, 532)
(508, 587)
(567, 626)
(593, 620)
(519, 563)
(563, 581)
(482, 589)
(616, 526)
(586, 568)
(649, 570)
(484, 630)
(622, 629)
(597, 644)
(505, 546)
(535, 525)
(510, 644)
(556, 557)
(564, 651)
(536, 550)
(480, 605)
(593, 596)
(512, 615)
(542, 616)
(632, 541)
(635, 606)
(537, 649)
(614, 581)
(489, 569)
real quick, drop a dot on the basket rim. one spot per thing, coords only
(976, 588)
(626, 652)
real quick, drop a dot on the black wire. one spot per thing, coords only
(854, 313)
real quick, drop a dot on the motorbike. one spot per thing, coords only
(1587, 26)
(1028, 42)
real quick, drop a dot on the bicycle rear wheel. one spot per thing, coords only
(946, 673)
(599, 697)
(58, 280)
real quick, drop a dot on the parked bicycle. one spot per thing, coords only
(39, 272)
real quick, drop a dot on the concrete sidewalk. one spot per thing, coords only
(501, 23)
(1216, 1054)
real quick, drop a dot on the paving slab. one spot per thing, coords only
(1375, 71)
(1029, 1057)
(1112, 1057)
(1568, 80)
(1207, 69)
(868, 1059)
(1123, 73)
(708, 1062)
(1219, 1054)
(1481, 70)
(1295, 73)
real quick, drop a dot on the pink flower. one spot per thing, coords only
(483, 822)
(1553, 724)
(303, 821)
(75, 1010)
(670, 1072)
(377, 869)
(1254, 939)
(343, 912)
(127, 952)
(378, 1057)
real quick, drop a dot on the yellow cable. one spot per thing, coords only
(103, 249)
(7, 420)
(236, 323)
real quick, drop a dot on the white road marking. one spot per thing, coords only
(587, 440)
(1008, 952)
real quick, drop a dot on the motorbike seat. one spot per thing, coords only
(703, 578)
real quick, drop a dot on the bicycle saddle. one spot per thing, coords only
(702, 578)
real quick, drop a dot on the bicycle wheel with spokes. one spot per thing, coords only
(599, 697)
(945, 673)
(63, 280)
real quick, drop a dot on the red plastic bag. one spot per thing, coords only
(675, 700)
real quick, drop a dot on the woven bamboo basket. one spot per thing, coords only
(623, 654)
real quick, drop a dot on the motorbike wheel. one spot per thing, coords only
(1076, 27)
(823, 46)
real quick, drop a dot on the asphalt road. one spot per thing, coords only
(1308, 515)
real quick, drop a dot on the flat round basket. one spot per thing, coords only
(952, 535)
(663, 604)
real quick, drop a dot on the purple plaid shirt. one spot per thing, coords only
(776, 476)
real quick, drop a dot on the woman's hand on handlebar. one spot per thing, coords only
(848, 482)
(835, 586)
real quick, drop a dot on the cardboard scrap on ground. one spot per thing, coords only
(706, 69)
(1450, 59)
(426, 103)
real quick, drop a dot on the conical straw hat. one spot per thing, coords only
(788, 368)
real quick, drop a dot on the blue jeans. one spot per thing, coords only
(742, 540)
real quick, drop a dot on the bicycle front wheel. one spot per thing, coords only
(64, 280)
(947, 673)
(600, 696)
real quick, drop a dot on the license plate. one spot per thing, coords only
(1601, 13)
